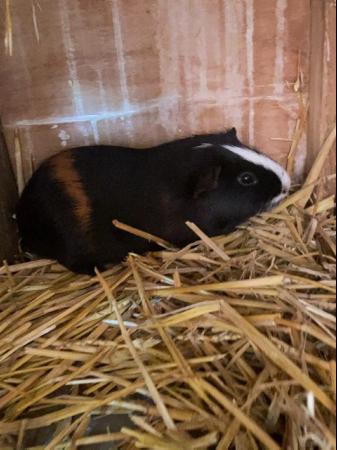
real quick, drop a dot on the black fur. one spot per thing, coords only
(156, 190)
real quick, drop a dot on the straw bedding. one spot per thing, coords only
(228, 343)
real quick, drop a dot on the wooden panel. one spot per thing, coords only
(140, 72)
(8, 199)
(322, 80)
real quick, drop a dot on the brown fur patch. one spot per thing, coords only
(65, 173)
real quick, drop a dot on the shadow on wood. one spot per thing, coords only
(8, 199)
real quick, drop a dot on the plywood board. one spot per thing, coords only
(141, 72)
(322, 80)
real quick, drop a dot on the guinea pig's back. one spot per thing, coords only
(67, 208)
(105, 171)
(39, 226)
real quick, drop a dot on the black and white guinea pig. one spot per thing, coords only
(67, 208)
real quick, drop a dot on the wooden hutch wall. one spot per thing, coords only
(140, 72)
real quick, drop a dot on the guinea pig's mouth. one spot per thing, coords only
(277, 200)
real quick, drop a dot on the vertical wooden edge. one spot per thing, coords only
(316, 74)
(8, 200)
(322, 112)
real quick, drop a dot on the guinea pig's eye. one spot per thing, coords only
(248, 179)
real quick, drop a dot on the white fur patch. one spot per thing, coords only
(204, 146)
(267, 163)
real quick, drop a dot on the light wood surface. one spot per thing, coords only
(139, 73)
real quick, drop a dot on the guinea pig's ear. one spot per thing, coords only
(206, 181)
(233, 132)
(232, 136)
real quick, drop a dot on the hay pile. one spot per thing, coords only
(227, 344)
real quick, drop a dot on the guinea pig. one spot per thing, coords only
(67, 209)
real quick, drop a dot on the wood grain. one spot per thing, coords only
(322, 115)
(139, 73)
